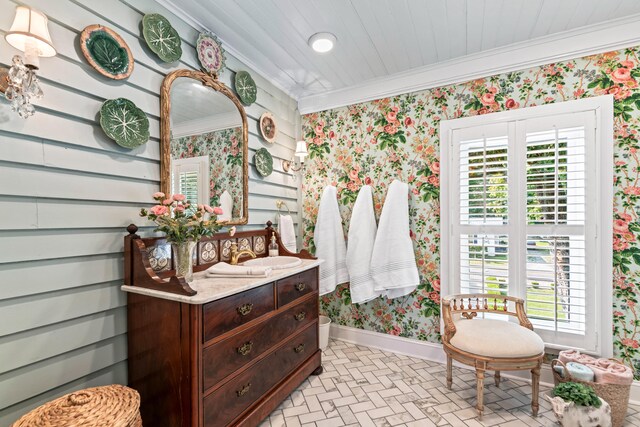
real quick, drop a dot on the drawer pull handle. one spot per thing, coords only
(243, 390)
(300, 287)
(245, 348)
(245, 309)
(300, 316)
(299, 349)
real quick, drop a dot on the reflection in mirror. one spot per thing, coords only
(206, 146)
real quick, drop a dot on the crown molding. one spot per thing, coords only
(207, 124)
(607, 36)
(288, 86)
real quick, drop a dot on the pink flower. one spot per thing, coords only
(392, 116)
(353, 175)
(396, 330)
(436, 285)
(613, 90)
(368, 181)
(631, 190)
(408, 122)
(217, 210)
(179, 208)
(391, 129)
(488, 98)
(179, 197)
(167, 202)
(208, 208)
(158, 195)
(433, 180)
(619, 244)
(332, 134)
(627, 64)
(435, 167)
(618, 313)
(319, 130)
(620, 226)
(493, 89)
(621, 75)
(511, 103)
(625, 216)
(629, 342)
(159, 210)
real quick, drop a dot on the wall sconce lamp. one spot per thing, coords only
(301, 153)
(30, 34)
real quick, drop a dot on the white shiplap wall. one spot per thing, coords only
(67, 192)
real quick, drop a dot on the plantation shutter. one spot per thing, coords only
(190, 177)
(522, 220)
(560, 227)
(484, 211)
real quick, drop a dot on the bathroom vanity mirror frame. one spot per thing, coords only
(165, 134)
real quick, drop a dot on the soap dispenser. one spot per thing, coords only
(273, 246)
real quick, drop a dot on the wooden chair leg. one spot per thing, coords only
(449, 372)
(535, 389)
(480, 391)
(496, 378)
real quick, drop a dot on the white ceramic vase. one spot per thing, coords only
(571, 415)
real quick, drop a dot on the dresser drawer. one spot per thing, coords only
(230, 400)
(230, 312)
(225, 357)
(293, 287)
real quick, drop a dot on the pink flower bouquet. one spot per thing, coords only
(180, 220)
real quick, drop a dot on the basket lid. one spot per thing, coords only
(113, 405)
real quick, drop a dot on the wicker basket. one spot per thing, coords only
(616, 395)
(113, 405)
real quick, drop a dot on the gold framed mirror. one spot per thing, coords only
(204, 144)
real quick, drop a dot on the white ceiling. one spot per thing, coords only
(198, 109)
(378, 38)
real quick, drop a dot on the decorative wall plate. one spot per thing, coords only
(161, 37)
(125, 123)
(106, 51)
(263, 161)
(268, 127)
(210, 53)
(245, 87)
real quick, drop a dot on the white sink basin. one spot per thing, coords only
(275, 262)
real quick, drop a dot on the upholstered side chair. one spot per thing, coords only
(490, 344)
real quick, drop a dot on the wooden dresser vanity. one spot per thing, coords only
(221, 351)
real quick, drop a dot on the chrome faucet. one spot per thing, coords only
(235, 254)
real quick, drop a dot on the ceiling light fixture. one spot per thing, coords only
(322, 42)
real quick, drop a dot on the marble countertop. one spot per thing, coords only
(210, 288)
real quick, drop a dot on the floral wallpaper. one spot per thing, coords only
(224, 148)
(375, 142)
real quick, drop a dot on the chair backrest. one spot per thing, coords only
(469, 305)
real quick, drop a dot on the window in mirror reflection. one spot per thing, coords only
(222, 185)
(190, 176)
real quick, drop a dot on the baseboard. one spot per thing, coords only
(434, 353)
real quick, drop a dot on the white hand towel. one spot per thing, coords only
(393, 261)
(222, 269)
(226, 204)
(330, 244)
(362, 235)
(287, 232)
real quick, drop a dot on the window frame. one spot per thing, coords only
(602, 107)
(198, 164)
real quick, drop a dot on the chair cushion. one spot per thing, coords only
(496, 338)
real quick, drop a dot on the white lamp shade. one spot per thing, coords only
(301, 150)
(30, 32)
